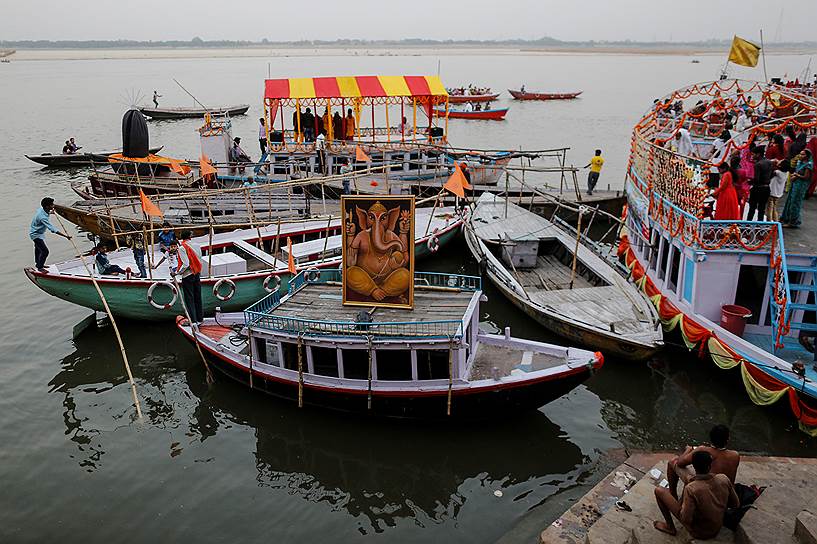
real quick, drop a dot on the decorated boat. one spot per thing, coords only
(559, 282)
(739, 293)
(465, 98)
(246, 264)
(431, 361)
(61, 160)
(527, 95)
(494, 115)
(193, 113)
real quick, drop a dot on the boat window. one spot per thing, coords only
(662, 265)
(394, 364)
(356, 364)
(675, 267)
(432, 364)
(260, 350)
(414, 161)
(291, 356)
(397, 162)
(751, 288)
(325, 361)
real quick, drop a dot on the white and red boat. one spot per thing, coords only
(526, 95)
(487, 115)
(430, 362)
(465, 98)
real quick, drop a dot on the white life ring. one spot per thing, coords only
(433, 242)
(276, 284)
(168, 305)
(217, 287)
(312, 274)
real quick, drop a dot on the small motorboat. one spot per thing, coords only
(429, 362)
(492, 115)
(525, 95)
(75, 159)
(465, 98)
(192, 113)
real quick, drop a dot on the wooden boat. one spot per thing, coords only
(247, 264)
(190, 113)
(465, 98)
(229, 210)
(525, 95)
(75, 159)
(530, 259)
(429, 362)
(495, 115)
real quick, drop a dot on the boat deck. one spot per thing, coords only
(802, 241)
(507, 361)
(791, 352)
(550, 274)
(323, 302)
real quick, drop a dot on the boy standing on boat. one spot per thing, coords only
(189, 269)
(594, 165)
(36, 232)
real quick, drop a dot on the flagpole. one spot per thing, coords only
(763, 52)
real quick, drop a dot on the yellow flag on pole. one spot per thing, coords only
(744, 52)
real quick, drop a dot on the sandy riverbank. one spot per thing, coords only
(265, 52)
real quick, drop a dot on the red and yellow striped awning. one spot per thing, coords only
(354, 87)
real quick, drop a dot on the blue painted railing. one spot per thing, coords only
(260, 315)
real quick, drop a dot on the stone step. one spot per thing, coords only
(805, 528)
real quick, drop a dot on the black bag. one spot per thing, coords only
(747, 495)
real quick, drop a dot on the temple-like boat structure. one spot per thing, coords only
(692, 267)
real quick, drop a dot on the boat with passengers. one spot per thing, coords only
(739, 292)
(432, 361)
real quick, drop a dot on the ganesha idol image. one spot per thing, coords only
(379, 247)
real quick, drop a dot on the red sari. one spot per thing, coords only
(726, 206)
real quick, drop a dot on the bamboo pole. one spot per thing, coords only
(576, 249)
(277, 240)
(113, 322)
(326, 239)
(193, 330)
(300, 373)
(450, 374)
(147, 253)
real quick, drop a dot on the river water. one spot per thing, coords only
(221, 463)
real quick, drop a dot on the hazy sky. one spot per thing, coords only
(643, 20)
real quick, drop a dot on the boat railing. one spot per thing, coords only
(260, 315)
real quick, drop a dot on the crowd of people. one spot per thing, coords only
(471, 90)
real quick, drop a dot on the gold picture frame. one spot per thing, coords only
(377, 251)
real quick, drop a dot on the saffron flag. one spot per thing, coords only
(465, 184)
(177, 166)
(206, 168)
(361, 155)
(148, 206)
(744, 52)
(290, 258)
(456, 183)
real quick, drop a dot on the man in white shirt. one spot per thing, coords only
(320, 147)
(189, 268)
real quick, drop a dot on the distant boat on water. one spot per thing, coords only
(192, 113)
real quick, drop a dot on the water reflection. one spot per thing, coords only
(377, 471)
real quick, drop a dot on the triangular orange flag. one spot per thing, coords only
(291, 258)
(361, 155)
(148, 206)
(456, 183)
(205, 166)
(177, 166)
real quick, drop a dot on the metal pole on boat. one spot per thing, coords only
(576, 250)
(300, 373)
(326, 239)
(277, 240)
(763, 52)
(369, 386)
(110, 316)
(450, 374)
(507, 188)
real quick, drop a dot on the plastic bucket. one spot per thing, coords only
(734, 318)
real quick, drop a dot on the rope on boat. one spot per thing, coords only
(194, 331)
(450, 373)
(369, 397)
(300, 372)
(113, 322)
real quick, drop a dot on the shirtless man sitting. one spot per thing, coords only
(724, 461)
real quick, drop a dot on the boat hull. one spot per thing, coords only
(76, 159)
(192, 113)
(464, 99)
(128, 298)
(518, 95)
(487, 115)
(466, 403)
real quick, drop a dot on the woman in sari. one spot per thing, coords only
(726, 205)
(800, 179)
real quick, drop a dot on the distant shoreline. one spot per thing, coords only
(405, 50)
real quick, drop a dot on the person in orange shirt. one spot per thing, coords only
(350, 125)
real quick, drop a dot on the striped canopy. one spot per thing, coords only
(354, 87)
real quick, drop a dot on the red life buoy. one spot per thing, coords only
(277, 284)
(230, 292)
(168, 305)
